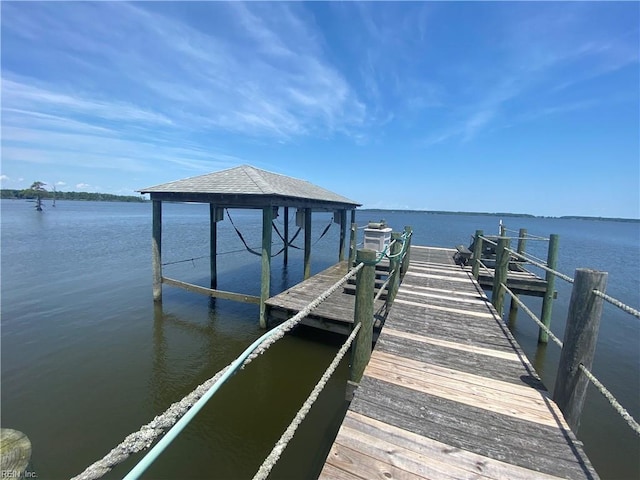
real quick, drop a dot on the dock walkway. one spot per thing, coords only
(448, 393)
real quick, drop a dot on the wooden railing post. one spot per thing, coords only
(394, 266)
(501, 271)
(477, 254)
(513, 306)
(580, 337)
(352, 243)
(363, 313)
(407, 254)
(547, 301)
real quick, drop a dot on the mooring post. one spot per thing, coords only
(286, 236)
(501, 271)
(407, 254)
(213, 246)
(547, 300)
(477, 254)
(265, 283)
(363, 314)
(352, 243)
(513, 306)
(394, 267)
(307, 243)
(343, 234)
(580, 337)
(156, 250)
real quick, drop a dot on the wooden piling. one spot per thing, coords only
(343, 234)
(394, 267)
(547, 300)
(286, 236)
(407, 256)
(156, 250)
(307, 243)
(500, 275)
(513, 306)
(352, 243)
(580, 337)
(363, 314)
(265, 284)
(213, 246)
(477, 254)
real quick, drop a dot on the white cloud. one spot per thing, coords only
(4, 177)
(82, 185)
(61, 184)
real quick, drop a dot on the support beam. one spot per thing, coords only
(500, 274)
(307, 243)
(265, 284)
(156, 250)
(352, 244)
(477, 254)
(343, 234)
(579, 344)
(547, 300)
(213, 246)
(286, 236)
(513, 306)
(363, 313)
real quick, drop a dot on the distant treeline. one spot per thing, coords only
(505, 214)
(87, 196)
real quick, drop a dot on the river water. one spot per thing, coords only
(87, 358)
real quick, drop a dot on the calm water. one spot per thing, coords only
(87, 359)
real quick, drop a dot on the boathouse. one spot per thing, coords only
(247, 187)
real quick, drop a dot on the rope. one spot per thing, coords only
(612, 400)
(384, 285)
(515, 298)
(279, 447)
(485, 239)
(249, 249)
(484, 266)
(542, 266)
(147, 434)
(617, 303)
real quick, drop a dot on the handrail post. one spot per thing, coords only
(156, 250)
(352, 244)
(407, 253)
(394, 265)
(513, 306)
(363, 313)
(500, 275)
(580, 337)
(477, 254)
(547, 300)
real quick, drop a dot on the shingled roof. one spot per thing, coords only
(247, 186)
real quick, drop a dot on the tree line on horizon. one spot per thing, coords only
(37, 191)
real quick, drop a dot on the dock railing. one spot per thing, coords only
(179, 414)
(581, 332)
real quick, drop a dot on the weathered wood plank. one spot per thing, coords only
(237, 297)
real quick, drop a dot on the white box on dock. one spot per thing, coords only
(377, 238)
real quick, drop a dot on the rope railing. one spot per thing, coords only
(515, 298)
(487, 269)
(485, 239)
(384, 285)
(617, 303)
(561, 275)
(612, 400)
(180, 413)
(281, 444)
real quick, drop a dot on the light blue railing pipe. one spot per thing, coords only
(164, 442)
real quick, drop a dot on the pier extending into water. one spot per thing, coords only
(446, 392)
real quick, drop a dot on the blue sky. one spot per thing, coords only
(519, 107)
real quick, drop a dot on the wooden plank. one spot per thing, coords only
(237, 297)
(453, 345)
(465, 462)
(445, 309)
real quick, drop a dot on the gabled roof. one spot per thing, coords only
(247, 186)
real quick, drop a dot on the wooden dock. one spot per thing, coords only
(335, 314)
(448, 393)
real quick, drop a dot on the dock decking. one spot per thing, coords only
(334, 314)
(448, 393)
